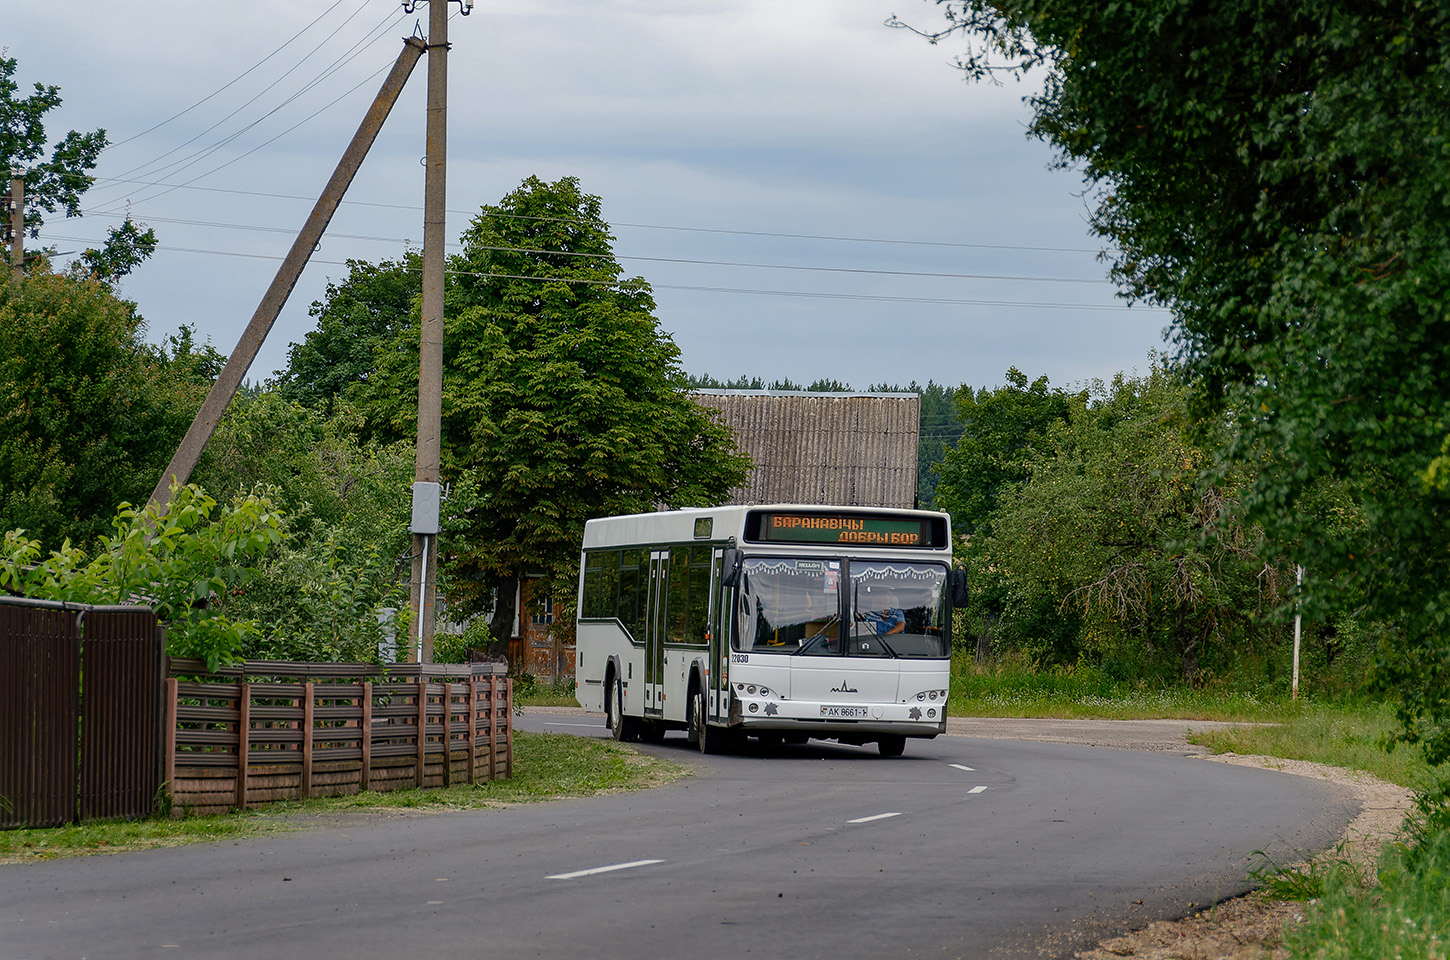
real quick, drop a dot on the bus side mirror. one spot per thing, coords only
(960, 592)
(730, 576)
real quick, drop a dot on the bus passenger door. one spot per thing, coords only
(654, 634)
(719, 656)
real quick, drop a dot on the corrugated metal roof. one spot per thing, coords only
(855, 450)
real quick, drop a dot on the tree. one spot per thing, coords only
(562, 398)
(179, 562)
(61, 180)
(345, 500)
(89, 413)
(1276, 174)
(1001, 430)
(369, 309)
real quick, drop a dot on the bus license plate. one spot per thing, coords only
(844, 713)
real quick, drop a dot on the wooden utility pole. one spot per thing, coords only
(16, 226)
(205, 423)
(427, 492)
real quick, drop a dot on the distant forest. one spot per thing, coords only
(940, 427)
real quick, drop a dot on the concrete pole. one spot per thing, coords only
(17, 227)
(227, 382)
(422, 591)
(1294, 683)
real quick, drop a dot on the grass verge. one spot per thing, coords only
(548, 766)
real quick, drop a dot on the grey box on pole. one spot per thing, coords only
(426, 498)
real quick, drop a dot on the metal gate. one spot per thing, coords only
(80, 719)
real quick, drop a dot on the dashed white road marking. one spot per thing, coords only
(594, 870)
(590, 725)
(978, 790)
(879, 816)
(960, 767)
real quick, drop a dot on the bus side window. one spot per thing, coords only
(697, 625)
(678, 599)
(631, 589)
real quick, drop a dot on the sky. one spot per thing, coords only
(811, 194)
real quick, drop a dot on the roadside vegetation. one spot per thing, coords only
(547, 766)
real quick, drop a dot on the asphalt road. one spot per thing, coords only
(964, 847)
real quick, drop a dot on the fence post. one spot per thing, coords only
(244, 740)
(365, 737)
(308, 688)
(473, 730)
(492, 726)
(422, 726)
(508, 705)
(168, 743)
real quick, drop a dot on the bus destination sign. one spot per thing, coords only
(858, 529)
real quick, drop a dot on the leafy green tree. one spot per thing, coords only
(1114, 530)
(1001, 429)
(366, 311)
(59, 182)
(125, 249)
(181, 563)
(345, 498)
(89, 413)
(1276, 174)
(562, 398)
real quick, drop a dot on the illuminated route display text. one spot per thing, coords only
(874, 531)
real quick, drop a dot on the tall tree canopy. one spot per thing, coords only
(89, 412)
(1277, 174)
(1000, 430)
(562, 397)
(60, 180)
(368, 309)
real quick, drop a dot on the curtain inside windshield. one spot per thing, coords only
(898, 610)
(794, 607)
(790, 606)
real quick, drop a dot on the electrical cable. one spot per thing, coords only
(881, 298)
(624, 256)
(223, 87)
(177, 166)
(639, 226)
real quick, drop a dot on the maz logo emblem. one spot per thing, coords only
(844, 688)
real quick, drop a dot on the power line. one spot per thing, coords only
(806, 294)
(184, 163)
(624, 256)
(223, 87)
(642, 226)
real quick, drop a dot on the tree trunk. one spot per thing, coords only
(501, 624)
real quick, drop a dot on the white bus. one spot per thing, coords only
(780, 622)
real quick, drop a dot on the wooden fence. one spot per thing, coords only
(263, 731)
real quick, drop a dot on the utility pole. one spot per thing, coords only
(427, 493)
(15, 224)
(221, 393)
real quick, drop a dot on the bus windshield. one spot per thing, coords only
(884, 609)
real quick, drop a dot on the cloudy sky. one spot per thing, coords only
(811, 194)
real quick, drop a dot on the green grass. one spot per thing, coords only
(547, 766)
(530, 692)
(1407, 915)
(1012, 689)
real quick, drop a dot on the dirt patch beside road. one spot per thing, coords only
(1244, 928)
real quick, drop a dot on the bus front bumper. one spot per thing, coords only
(837, 720)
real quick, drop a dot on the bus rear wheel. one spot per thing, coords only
(891, 745)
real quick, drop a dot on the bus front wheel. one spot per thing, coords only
(621, 728)
(709, 739)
